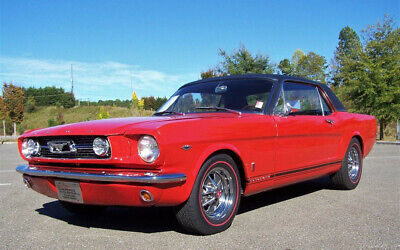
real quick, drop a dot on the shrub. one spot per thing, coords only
(51, 122)
(103, 114)
(30, 105)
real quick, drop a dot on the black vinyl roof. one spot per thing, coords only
(279, 79)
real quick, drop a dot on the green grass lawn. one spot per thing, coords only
(39, 118)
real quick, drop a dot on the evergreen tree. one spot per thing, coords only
(285, 67)
(371, 84)
(312, 66)
(347, 54)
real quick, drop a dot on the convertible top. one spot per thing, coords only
(280, 79)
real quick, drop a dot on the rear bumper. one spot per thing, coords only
(110, 189)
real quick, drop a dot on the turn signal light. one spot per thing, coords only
(146, 196)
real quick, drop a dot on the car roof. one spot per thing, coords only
(276, 78)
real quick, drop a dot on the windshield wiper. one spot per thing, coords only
(167, 112)
(222, 109)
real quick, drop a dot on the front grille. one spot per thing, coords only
(83, 144)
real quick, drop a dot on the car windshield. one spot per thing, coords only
(248, 96)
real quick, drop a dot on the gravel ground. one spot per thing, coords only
(309, 215)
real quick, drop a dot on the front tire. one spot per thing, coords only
(215, 197)
(349, 175)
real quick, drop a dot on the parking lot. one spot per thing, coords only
(302, 216)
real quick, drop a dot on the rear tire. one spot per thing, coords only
(82, 208)
(215, 197)
(349, 175)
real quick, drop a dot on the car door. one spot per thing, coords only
(307, 136)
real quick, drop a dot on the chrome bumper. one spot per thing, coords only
(148, 178)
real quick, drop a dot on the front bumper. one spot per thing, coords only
(110, 189)
(148, 178)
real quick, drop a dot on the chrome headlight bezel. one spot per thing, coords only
(30, 148)
(101, 146)
(148, 149)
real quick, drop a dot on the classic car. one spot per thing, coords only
(213, 142)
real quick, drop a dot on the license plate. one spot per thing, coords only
(69, 191)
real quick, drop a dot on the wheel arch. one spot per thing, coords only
(239, 163)
(360, 140)
(228, 150)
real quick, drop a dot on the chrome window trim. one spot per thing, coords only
(320, 101)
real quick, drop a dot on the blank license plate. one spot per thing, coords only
(69, 191)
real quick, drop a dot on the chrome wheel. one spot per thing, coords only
(217, 194)
(353, 163)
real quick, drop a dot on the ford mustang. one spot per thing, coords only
(213, 142)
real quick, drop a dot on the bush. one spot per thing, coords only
(51, 122)
(60, 117)
(30, 105)
(103, 114)
(20, 129)
(68, 100)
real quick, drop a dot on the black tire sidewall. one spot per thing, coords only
(348, 182)
(231, 167)
(200, 223)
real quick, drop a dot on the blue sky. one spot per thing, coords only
(159, 45)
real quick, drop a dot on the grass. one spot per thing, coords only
(39, 118)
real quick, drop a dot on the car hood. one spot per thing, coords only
(101, 127)
(117, 126)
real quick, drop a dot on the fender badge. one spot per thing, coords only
(186, 147)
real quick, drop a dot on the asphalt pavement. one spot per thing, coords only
(308, 215)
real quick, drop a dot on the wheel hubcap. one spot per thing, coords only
(353, 163)
(217, 193)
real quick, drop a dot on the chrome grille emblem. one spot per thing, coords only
(61, 147)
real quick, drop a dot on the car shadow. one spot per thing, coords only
(282, 194)
(161, 219)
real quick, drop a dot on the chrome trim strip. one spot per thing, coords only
(271, 176)
(149, 179)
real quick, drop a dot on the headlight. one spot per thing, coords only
(148, 148)
(100, 146)
(30, 148)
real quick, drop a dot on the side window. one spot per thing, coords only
(302, 99)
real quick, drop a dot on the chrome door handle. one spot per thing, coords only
(330, 121)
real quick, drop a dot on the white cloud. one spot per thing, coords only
(100, 80)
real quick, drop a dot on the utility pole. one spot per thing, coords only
(72, 81)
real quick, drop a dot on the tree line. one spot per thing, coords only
(149, 103)
(364, 72)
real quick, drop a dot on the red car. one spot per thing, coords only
(211, 143)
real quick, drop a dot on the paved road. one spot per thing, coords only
(305, 216)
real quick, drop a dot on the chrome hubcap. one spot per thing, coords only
(353, 163)
(217, 193)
